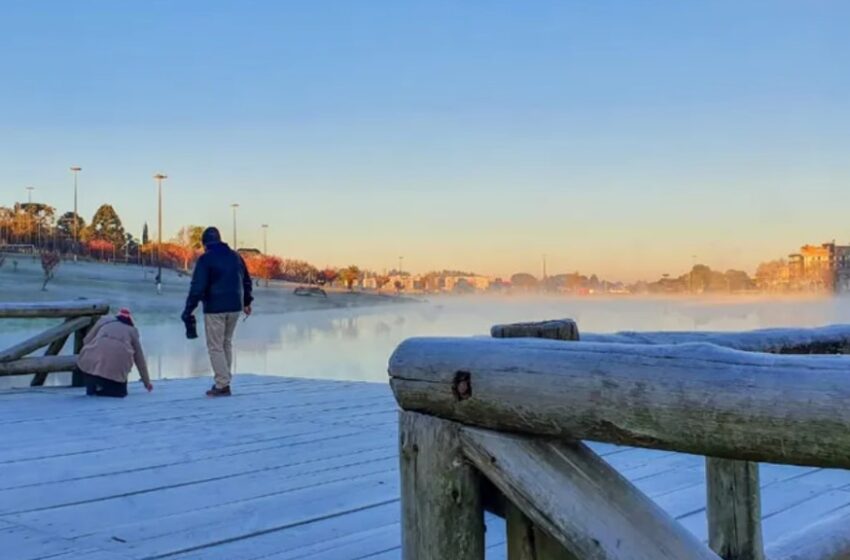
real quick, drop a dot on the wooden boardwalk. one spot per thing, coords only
(285, 469)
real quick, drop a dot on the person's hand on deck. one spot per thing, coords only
(149, 386)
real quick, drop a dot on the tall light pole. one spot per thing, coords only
(29, 201)
(265, 239)
(400, 263)
(160, 177)
(75, 169)
(234, 206)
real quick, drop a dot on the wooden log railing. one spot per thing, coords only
(507, 416)
(79, 316)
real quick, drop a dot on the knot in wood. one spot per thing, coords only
(462, 385)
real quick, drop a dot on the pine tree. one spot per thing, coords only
(106, 226)
(145, 239)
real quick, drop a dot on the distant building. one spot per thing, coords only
(821, 267)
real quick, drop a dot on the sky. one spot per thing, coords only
(623, 138)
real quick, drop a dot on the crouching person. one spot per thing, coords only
(109, 352)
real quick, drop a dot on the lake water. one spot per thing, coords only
(355, 343)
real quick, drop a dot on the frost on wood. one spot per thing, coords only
(833, 339)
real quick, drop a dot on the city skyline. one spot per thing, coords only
(622, 141)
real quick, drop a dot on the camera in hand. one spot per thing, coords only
(191, 326)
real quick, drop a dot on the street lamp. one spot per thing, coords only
(265, 239)
(234, 206)
(75, 169)
(159, 177)
(29, 201)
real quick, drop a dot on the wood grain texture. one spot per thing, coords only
(79, 308)
(442, 514)
(578, 499)
(734, 509)
(694, 398)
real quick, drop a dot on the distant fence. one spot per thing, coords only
(498, 424)
(79, 317)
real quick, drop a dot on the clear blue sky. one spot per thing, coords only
(616, 137)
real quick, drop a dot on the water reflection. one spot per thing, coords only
(355, 343)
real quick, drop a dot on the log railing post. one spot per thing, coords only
(525, 541)
(734, 509)
(77, 379)
(442, 512)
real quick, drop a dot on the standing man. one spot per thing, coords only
(222, 283)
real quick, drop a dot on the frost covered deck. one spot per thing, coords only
(285, 469)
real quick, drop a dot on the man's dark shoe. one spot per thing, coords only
(216, 392)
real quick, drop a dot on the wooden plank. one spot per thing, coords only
(53, 309)
(827, 539)
(734, 509)
(562, 329)
(578, 499)
(693, 398)
(43, 364)
(59, 332)
(442, 514)
(833, 339)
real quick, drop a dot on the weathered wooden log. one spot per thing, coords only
(77, 379)
(78, 308)
(828, 539)
(694, 398)
(527, 542)
(834, 339)
(59, 332)
(734, 509)
(54, 349)
(442, 515)
(45, 364)
(561, 329)
(580, 500)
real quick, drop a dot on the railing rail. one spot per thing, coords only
(79, 315)
(482, 413)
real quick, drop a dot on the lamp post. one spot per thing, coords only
(234, 206)
(75, 169)
(160, 177)
(29, 201)
(265, 239)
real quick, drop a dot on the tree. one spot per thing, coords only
(106, 226)
(145, 239)
(349, 276)
(264, 267)
(328, 276)
(523, 280)
(101, 246)
(382, 281)
(189, 241)
(49, 261)
(65, 225)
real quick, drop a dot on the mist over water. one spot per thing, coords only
(354, 343)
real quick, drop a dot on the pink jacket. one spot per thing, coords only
(110, 350)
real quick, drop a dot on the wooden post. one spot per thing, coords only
(52, 350)
(442, 515)
(77, 380)
(734, 509)
(525, 541)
